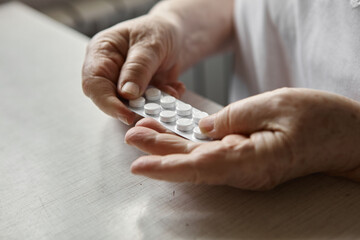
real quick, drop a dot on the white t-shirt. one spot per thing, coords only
(298, 43)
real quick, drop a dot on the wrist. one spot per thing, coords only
(339, 126)
(205, 27)
(167, 13)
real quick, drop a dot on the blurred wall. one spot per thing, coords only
(91, 16)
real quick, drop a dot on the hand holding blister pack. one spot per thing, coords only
(177, 116)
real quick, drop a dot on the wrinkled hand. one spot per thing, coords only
(124, 59)
(265, 140)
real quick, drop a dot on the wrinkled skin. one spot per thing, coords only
(153, 49)
(265, 140)
(142, 51)
(261, 142)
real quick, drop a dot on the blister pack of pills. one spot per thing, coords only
(177, 116)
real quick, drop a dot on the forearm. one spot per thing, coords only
(206, 26)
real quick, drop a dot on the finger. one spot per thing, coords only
(153, 124)
(179, 87)
(105, 55)
(153, 142)
(169, 90)
(100, 72)
(167, 81)
(173, 168)
(235, 161)
(137, 118)
(243, 117)
(103, 93)
(176, 89)
(196, 167)
(141, 63)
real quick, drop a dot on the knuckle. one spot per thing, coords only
(106, 45)
(102, 67)
(223, 120)
(228, 117)
(285, 92)
(96, 88)
(94, 41)
(155, 45)
(136, 136)
(108, 41)
(282, 97)
(136, 69)
(151, 41)
(107, 69)
(104, 38)
(87, 87)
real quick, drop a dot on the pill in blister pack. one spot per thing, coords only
(175, 115)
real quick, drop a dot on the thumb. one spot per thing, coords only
(243, 117)
(141, 64)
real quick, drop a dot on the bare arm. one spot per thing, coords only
(153, 49)
(207, 25)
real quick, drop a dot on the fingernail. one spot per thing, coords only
(207, 124)
(131, 89)
(124, 120)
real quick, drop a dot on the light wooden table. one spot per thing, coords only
(64, 167)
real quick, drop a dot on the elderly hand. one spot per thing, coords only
(154, 48)
(265, 140)
(124, 59)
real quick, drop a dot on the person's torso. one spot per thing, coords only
(299, 43)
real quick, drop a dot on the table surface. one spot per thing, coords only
(64, 166)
